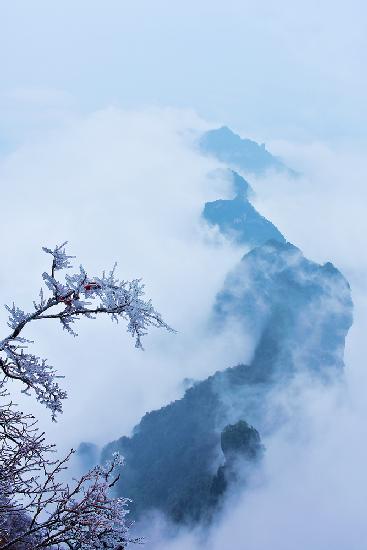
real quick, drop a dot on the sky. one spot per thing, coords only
(271, 69)
(100, 105)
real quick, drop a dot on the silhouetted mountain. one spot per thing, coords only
(241, 154)
(178, 458)
(238, 220)
(182, 458)
(298, 310)
(87, 455)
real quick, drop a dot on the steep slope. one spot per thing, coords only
(179, 459)
(238, 220)
(298, 310)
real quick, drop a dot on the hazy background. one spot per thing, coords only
(272, 69)
(100, 103)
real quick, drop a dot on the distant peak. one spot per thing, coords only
(240, 153)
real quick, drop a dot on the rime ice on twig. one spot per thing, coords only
(37, 510)
(78, 295)
(61, 259)
(35, 374)
(17, 316)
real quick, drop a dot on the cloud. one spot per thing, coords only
(309, 492)
(126, 187)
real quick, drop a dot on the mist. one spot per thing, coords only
(309, 490)
(130, 187)
(101, 106)
(126, 187)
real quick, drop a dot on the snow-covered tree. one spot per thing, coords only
(38, 509)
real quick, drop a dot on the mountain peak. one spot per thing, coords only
(240, 153)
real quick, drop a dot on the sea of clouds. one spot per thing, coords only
(310, 490)
(129, 186)
(126, 187)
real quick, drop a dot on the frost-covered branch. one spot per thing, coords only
(38, 510)
(77, 295)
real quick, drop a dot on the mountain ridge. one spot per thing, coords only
(241, 153)
(182, 458)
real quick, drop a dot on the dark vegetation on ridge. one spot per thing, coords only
(178, 458)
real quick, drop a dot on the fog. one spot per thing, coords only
(126, 187)
(130, 186)
(100, 108)
(309, 492)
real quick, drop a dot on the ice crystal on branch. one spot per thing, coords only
(78, 295)
(61, 259)
(37, 509)
(17, 316)
(36, 375)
